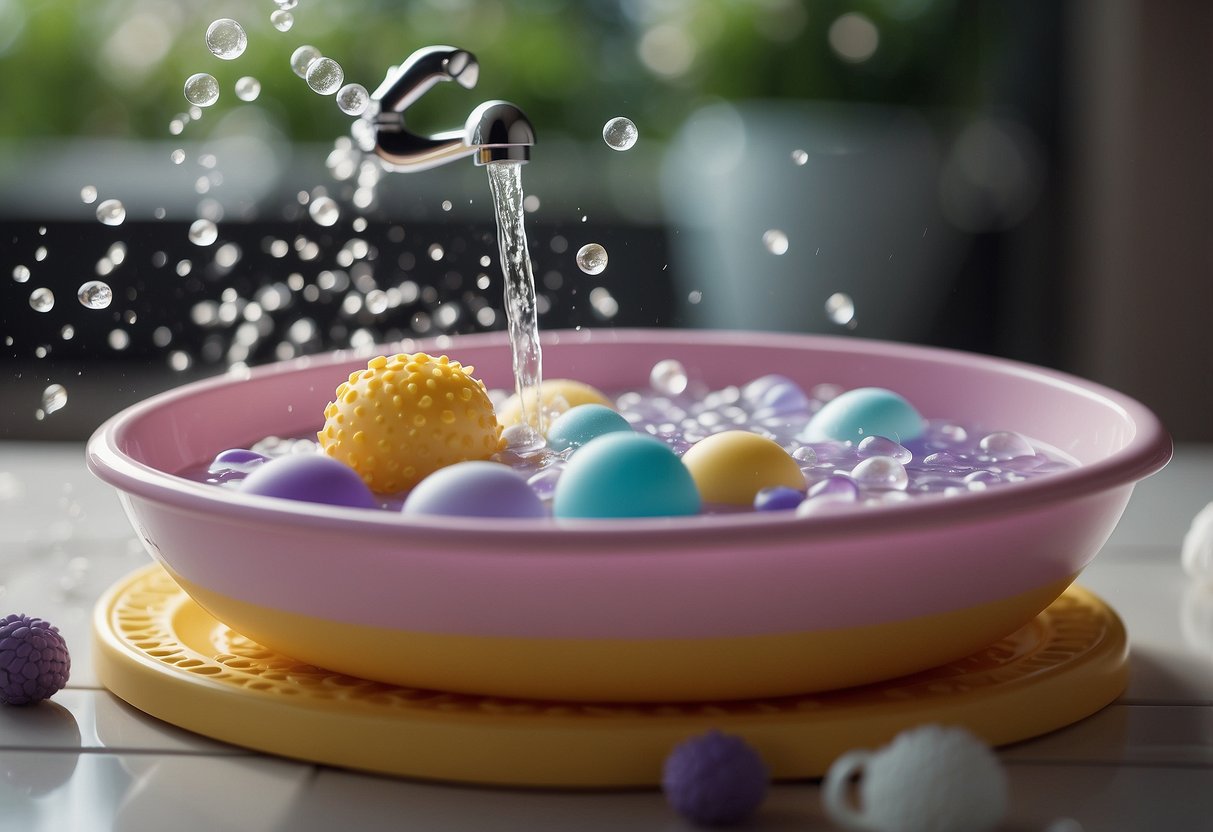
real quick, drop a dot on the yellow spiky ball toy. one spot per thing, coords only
(405, 416)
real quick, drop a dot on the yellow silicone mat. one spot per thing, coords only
(159, 651)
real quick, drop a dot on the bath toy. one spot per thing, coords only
(313, 478)
(625, 475)
(928, 779)
(863, 412)
(714, 779)
(578, 425)
(406, 416)
(777, 498)
(554, 391)
(34, 662)
(733, 466)
(474, 489)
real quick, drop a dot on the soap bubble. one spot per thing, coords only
(282, 20)
(201, 89)
(111, 212)
(324, 211)
(42, 299)
(203, 232)
(592, 258)
(353, 99)
(88, 194)
(248, 88)
(840, 308)
(775, 241)
(620, 133)
(799, 157)
(95, 294)
(668, 377)
(302, 58)
(324, 75)
(226, 39)
(54, 397)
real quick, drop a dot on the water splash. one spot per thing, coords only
(505, 182)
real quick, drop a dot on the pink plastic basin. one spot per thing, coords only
(711, 607)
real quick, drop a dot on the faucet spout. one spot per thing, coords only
(495, 131)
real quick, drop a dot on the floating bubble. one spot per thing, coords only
(620, 133)
(324, 211)
(592, 258)
(54, 397)
(603, 303)
(68, 332)
(668, 377)
(42, 299)
(203, 232)
(40, 254)
(118, 339)
(111, 212)
(178, 156)
(324, 75)
(177, 126)
(840, 308)
(21, 273)
(88, 194)
(436, 252)
(286, 5)
(1006, 444)
(248, 88)
(226, 39)
(353, 99)
(95, 294)
(775, 241)
(799, 157)
(282, 20)
(880, 472)
(882, 446)
(201, 89)
(302, 58)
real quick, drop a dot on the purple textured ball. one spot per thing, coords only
(34, 664)
(313, 478)
(715, 779)
(777, 498)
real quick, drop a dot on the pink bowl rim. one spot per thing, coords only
(1149, 449)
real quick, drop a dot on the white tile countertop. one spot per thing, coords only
(87, 761)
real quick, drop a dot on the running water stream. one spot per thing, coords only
(505, 181)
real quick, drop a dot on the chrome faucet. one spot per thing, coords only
(495, 131)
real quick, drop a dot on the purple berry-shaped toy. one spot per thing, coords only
(715, 779)
(34, 664)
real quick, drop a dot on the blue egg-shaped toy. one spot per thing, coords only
(578, 425)
(474, 489)
(625, 475)
(313, 478)
(865, 411)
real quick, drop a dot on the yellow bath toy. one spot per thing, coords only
(406, 416)
(733, 466)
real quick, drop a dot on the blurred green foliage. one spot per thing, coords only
(117, 67)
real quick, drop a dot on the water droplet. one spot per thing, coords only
(668, 377)
(95, 294)
(620, 133)
(530, 203)
(324, 75)
(436, 252)
(111, 212)
(179, 360)
(177, 156)
(592, 258)
(775, 241)
(286, 4)
(54, 397)
(226, 39)
(40, 254)
(282, 20)
(324, 211)
(882, 446)
(799, 157)
(447, 205)
(68, 332)
(880, 472)
(1006, 444)
(88, 194)
(353, 99)
(118, 339)
(42, 299)
(840, 308)
(203, 232)
(603, 303)
(248, 88)
(201, 89)
(21, 273)
(302, 58)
